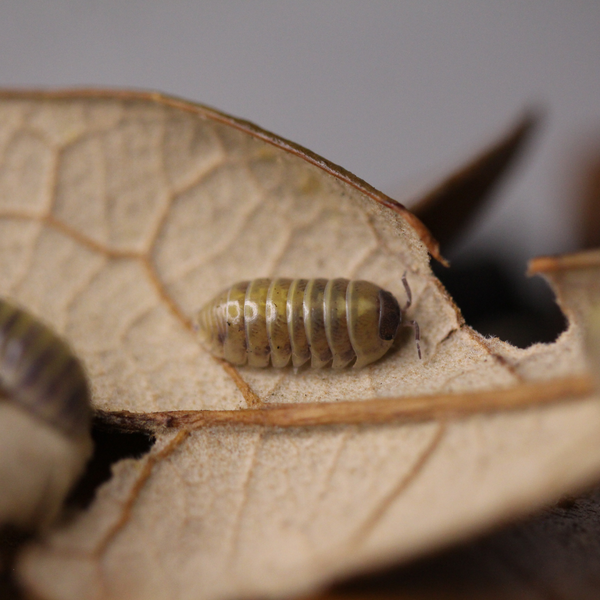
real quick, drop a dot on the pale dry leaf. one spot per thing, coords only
(120, 215)
(554, 554)
(32, 497)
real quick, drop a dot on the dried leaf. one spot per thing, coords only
(554, 554)
(589, 219)
(120, 215)
(450, 207)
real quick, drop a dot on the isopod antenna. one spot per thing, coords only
(412, 323)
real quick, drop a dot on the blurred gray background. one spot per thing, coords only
(397, 92)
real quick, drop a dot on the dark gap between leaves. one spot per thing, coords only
(110, 446)
(494, 305)
(11, 539)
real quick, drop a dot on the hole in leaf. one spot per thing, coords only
(495, 304)
(110, 446)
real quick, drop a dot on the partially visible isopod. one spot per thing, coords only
(45, 418)
(40, 373)
(336, 320)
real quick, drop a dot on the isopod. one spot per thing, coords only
(45, 421)
(333, 321)
(39, 372)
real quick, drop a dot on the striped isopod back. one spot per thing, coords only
(274, 320)
(39, 372)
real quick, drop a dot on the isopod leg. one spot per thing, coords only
(412, 324)
(415, 326)
(408, 293)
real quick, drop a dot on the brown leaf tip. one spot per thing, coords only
(564, 262)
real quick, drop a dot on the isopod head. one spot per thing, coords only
(374, 316)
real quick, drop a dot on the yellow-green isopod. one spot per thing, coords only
(272, 321)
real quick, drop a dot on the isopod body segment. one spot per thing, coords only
(39, 372)
(270, 321)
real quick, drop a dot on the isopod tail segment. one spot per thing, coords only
(412, 323)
